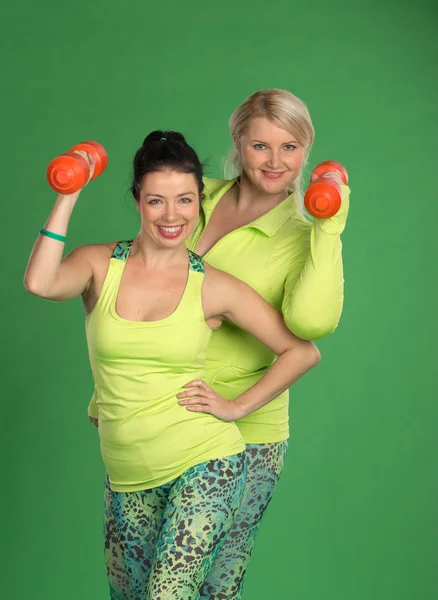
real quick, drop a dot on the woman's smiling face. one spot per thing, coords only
(271, 157)
(169, 207)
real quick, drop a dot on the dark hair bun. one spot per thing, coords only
(164, 136)
(163, 150)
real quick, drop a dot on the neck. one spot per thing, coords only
(154, 256)
(250, 196)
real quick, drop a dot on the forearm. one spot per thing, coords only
(312, 308)
(45, 259)
(312, 305)
(283, 373)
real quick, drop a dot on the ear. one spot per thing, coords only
(236, 141)
(137, 205)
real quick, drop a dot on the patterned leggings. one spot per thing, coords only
(160, 543)
(130, 547)
(225, 579)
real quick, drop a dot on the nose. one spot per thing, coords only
(274, 159)
(170, 213)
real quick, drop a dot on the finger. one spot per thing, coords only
(92, 165)
(203, 408)
(333, 176)
(84, 155)
(194, 400)
(194, 392)
(197, 383)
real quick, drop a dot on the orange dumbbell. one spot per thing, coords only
(69, 172)
(323, 196)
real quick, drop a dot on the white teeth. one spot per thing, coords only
(171, 229)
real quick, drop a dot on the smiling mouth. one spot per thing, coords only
(170, 232)
(272, 174)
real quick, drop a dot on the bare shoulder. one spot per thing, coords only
(220, 291)
(94, 258)
(227, 297)
(98, 258)
(223, 283)
(217, 277)
(93, 253)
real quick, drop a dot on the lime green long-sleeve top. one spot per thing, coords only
(297, 267)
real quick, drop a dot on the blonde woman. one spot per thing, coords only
(252, 226)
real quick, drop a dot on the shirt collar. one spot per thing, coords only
(268, 223)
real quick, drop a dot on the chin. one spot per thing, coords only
(272, 187)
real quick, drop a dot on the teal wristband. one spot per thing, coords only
(54, 236)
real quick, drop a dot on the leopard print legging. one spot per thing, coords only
(132, 527)
(160, 543)
(225, 579)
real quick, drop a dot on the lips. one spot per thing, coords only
(272, 174)
(170, 232)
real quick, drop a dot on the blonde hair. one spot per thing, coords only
(286, 111)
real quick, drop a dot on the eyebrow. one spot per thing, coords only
(290, 142)
(179, 195)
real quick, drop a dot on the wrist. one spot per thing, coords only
(68, 198)
(242, 410)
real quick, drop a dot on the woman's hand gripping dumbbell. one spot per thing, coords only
(324, 196)
(69, 172)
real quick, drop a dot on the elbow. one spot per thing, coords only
(312, 330)
(33, 288)
(315, 356)
(29, 285)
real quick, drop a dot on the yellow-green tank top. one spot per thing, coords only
(146, 438)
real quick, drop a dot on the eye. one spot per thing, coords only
(154, 201)
(186, 200)
(290, 147)
(259, 146)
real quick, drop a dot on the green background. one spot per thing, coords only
(355, 514)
